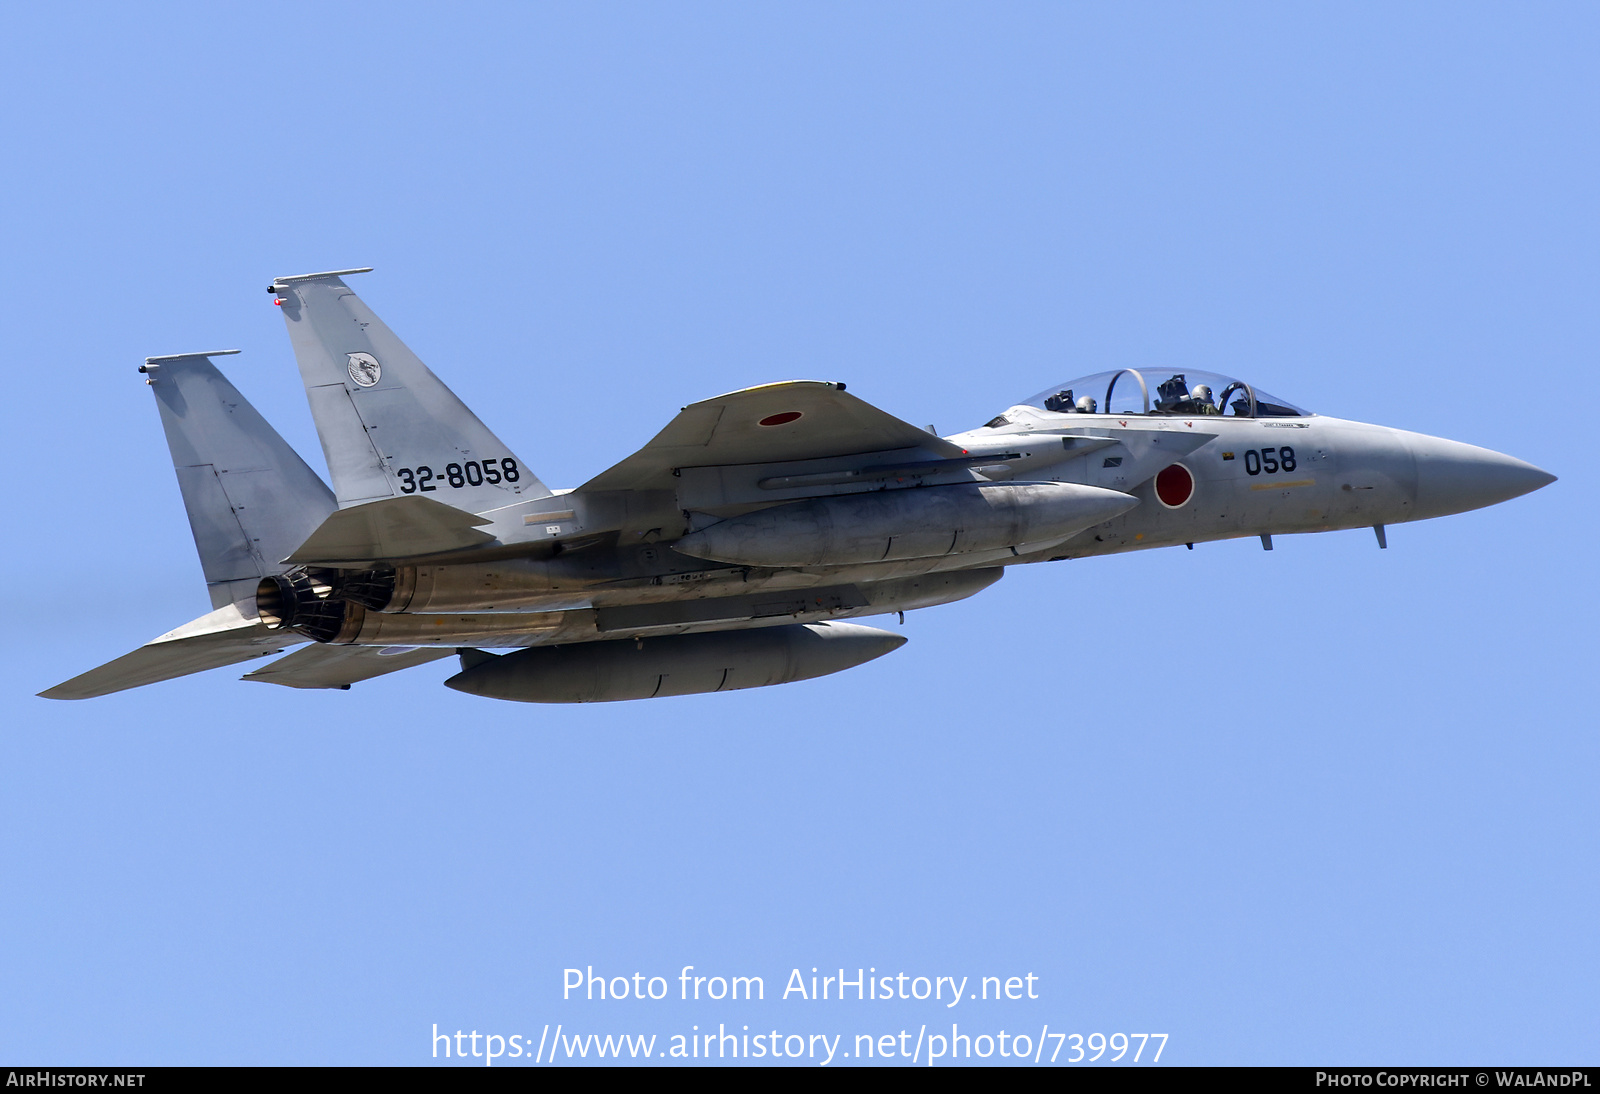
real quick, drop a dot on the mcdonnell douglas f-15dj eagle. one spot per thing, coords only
(726, 552)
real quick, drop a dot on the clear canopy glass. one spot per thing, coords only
(1160, 391)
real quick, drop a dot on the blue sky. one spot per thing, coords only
(1324, 805)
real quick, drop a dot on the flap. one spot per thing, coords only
(394, 528)
(793, 420)
(323, 666)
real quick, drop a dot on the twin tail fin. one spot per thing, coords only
(389, 427)
(251, 499)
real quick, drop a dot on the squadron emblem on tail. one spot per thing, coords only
(364, 369)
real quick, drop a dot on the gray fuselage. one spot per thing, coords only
(1194, 479)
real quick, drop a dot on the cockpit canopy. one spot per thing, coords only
(1158, 391)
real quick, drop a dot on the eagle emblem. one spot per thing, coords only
(364, 369)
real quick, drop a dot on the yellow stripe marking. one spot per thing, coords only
(1282, 485)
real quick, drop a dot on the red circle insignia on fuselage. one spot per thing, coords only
(1174, 486)
(781, 419)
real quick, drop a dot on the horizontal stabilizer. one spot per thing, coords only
(224, 637)
(395, 528)
(323, 666)
(774, 423)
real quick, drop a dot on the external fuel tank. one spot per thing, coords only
(688, 664)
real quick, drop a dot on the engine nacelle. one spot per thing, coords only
(511, 584)
(315, 605)
(309, 598)
(922, 522)
(687, 664)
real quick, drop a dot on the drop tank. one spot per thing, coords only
(689, 664)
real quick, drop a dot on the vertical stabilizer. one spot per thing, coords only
(251, 498)
(388, 425)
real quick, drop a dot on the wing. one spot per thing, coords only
(322, 666)
(223, 637)
(775, 423)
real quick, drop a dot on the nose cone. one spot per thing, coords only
(1453, 477)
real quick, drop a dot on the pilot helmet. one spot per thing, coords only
(1201, 391)
(1086, 404)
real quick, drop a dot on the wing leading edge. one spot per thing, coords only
(773, 423)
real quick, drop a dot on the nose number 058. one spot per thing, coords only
(1270, 460)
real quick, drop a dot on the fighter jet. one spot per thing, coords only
(730, 550)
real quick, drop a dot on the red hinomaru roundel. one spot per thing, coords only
(1174, 486)
(781, 419)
